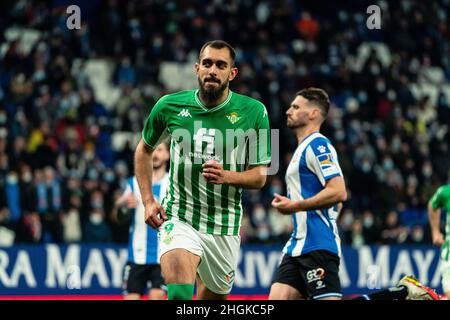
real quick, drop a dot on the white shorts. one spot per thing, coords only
(219, 254)
(445, 270)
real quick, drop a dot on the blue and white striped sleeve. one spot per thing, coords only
(321, 158)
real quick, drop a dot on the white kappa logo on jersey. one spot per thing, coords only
(184, 113)
(321, 149)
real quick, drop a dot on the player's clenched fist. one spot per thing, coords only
(154, 214)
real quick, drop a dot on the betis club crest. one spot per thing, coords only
(233, 117)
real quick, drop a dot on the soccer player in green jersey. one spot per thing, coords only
(441, 200)
(220, 144)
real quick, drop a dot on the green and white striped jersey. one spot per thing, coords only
(441, 200)
(235, 133)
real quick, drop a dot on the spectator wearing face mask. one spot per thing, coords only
(416, 235)
(261, 222)
(27, 189)
(370, 228)
(345, 221)
(49, 204)
(96, 230)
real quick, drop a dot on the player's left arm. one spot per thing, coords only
(333, 194)
(258, 158)
(253, 178)
(434, 215)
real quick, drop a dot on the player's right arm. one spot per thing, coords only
(155, 130)
(434, 215)
(143, 164)
(334, 193)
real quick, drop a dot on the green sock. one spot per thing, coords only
(177, 291)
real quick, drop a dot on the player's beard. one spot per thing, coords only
(300, 122)
(157, 164)
(292, 125)
(295, 125)
(211, 95)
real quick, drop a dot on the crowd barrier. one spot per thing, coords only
(80, 269)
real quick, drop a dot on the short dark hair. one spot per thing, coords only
(318, 97)
(219, 44)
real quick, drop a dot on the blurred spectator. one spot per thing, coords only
(417, 235)
(95, 229)
(12, 191)
(393, 232)
(370, 228)
(30, 229)
(345, 222)
(307, 26)
(6, 234)
(71, 224)
(357, 236)
(280, 225)
(261, 223)
(49, 204)
(126, 74)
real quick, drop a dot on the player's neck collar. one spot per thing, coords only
(202, 105)
(307, 136)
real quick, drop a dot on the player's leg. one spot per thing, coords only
(134, 281)
(282, 291)
(394, 293)
(218, 266)
(132, 296)
(203, 293)
(287, 283)
(179, 267)
(158, 288)
(156, 294)
(180, 253)
(446, 278)
(408, 288)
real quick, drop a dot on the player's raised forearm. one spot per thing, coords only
(254, 178)
(333, 193)
(143, 167)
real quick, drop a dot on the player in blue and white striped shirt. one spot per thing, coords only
(315, 186)
(309, 268)
(143, 268)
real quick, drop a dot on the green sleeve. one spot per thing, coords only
(155, 127)
(436, 199)
(261, 145)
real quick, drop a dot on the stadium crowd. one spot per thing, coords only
(61, 171)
